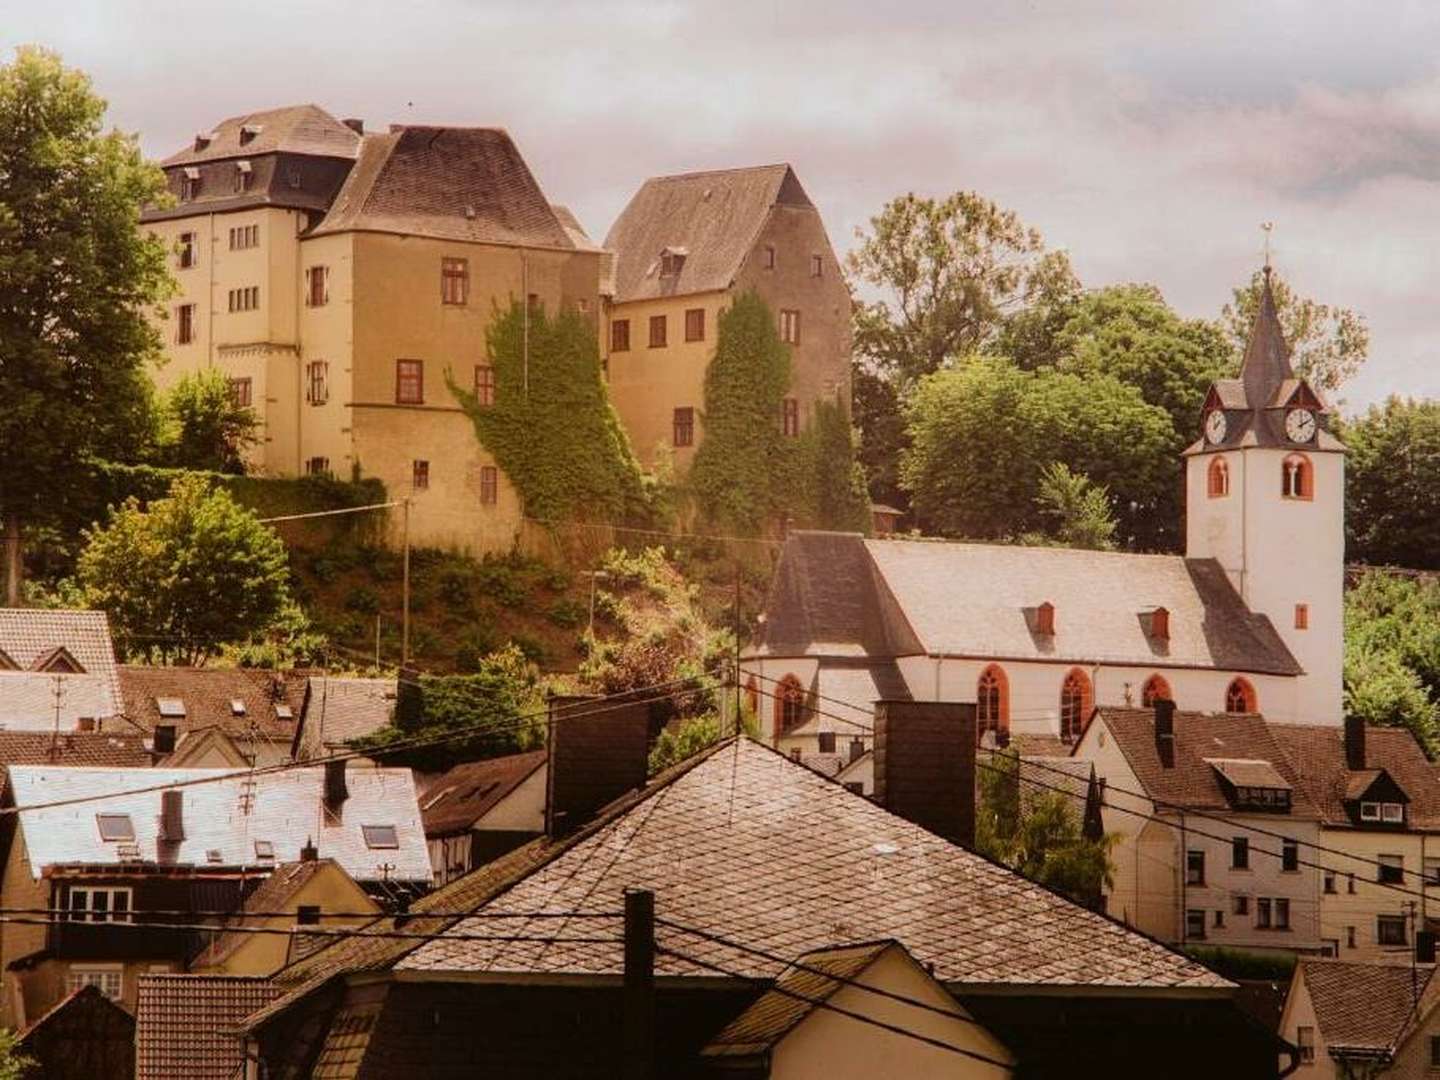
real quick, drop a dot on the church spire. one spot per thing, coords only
(1267, 357)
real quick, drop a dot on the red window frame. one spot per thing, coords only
(620, 335)
(683, 427)
(695, 324)
(454, 281)
(658, 331)
(489, 485)
(484, 385)
(409, 382)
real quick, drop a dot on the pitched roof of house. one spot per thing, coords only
(456, 800)
(1317, 754)
(122, 749)
(751, 846)
(342, 709)
(715, 216)
(273, 894)
(292, 129)
(227, 813)
(1364, 1007)
(449, 183)
(840, 594)
(29, 637)
(801, 989)
(185, 1024)
(245, 703)
(84, 1029)
(1202, 739)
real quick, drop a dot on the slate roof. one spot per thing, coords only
(273, 894)
(28, 636)
(752, 846)
(448, 183)
(185, 1024)
(1193, 783)
(716, 216)
(284, 808)
(1363, 1006)
(292, 129)
(122, 749)
(208, 695)
(1317, 755)
(342, 709)
(800, 990)
(456, 800)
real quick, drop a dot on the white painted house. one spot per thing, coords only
(1248, 620)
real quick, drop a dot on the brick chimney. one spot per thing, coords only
(925, 765)
(309, 853)
(1165, 731)
(335, 790)
(599, 750)
(1354, 743)
(172, 817)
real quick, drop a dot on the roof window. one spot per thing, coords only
(172, 708)
(284, 712)
(203, 139)
(672, 260)
(264, 849)
(115, 826)
(212, 855)
(381, 836)
(237, 707)
(248, 132)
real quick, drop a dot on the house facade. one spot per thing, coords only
(351, 283)
(684, 247)
(479, 810)
(1363, 1020)
(57, 671)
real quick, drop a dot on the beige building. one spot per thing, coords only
(683, 247)
(1351, 1021)
(343, 281)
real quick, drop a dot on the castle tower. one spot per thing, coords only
(1265, 496)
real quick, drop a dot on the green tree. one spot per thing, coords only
(1392, 653)
(981, 433)
(1078, 511)
(1392, 485)
(1327, 344)
(830, 481)
(684, 741)
(80, 278)
(13, 1064)
(185, 577)
(734, 475)
(551, 427)
(880, 422)
(209, 430)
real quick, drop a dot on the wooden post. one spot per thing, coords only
(405, 592)
(638, 1006)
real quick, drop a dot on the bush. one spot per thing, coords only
(363, 600)
(567, 613)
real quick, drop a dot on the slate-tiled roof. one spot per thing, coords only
(185, 1025)
(209, 696)
(972, 600)
(1317, 755)
(715, 216)
(342, 709)
(448, 183)
(122, 749)
(284, 808)
(1363, 1006)
(293, 129)
(1192, 782)
(455, 800)
(750, 845)
(27, 696)
(800, 990)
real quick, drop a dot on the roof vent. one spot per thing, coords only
(248, 133)
(203, 139)
(1159, 624)
(212, 855)
(237, 707)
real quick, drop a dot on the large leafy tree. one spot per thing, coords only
(1077, 512)
(185, 577)
(1392, 485)
(1328, 344)
(80, 278)
(982, 433)
(208, 429)
(1392, 653)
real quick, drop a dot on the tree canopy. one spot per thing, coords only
(1077, 512)
(1392, 653)
(81, 279)
(186, 576)
(208, 430)
(1392, 485)
(1327, 344)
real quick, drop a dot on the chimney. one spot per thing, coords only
(599, 750)
(355, 124)
(1424, 946)
(925, 765)
(1160, 624)
(172, 816)
(335, 790)
(857, 749)
(309, 853)
(1165, 731)
(164, 742)
(1354, 743)
(1045, 619)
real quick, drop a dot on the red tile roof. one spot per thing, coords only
(208, 696)
(125, 750)
(1317, 755)
(185, 1025)
(455, 800)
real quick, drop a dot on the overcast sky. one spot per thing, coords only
(1150, 139)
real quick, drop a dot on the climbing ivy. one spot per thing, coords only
(552, 428)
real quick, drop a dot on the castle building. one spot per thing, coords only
(1248, 620)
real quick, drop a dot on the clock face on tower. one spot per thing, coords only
(1215, 425)
(1300, 425)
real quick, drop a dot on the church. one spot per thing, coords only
(1248, 620)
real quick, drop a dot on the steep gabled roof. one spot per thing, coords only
(715, 216)
(292, 129)
(448, 183)
(43, 644)
(1364, 1007)
(245, 703)
(185, 1025)
(342, 709)
(1317, 755)
(459, 798)
(123, 749)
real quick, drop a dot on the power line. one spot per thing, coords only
(332, 513)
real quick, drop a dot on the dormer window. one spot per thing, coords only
(189, 183)
(1251, 784)
(243, 175)
(672, 261)
(203, 139)
(248, 133)
(1389, 813)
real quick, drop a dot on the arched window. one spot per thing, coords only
(1074, 704)
(992, 704)
(789, 704)
(752, 696)
(1298, 477)
(1218, 484)
(1240, 697)
(1156, 688)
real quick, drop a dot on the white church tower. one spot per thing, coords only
(1265, 496)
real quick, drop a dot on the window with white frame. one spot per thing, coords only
(99, 903)
(107, 979)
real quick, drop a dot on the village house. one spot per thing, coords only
(341, 709)
(184, 1025)
(1363, 1020)
(57, 671)
(1215, 833)
(1248, 621)
(753, 862)
(87, 1036)
(111, 846)
(343, 281)
(479, 810)
(685, 246)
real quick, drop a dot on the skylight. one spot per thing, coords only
(284, 712)
(264, 849)
(170, 707)
(115, 826)
(212, 855)
(381, 836)
(237, 707)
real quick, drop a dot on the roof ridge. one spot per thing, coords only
(717, 172)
